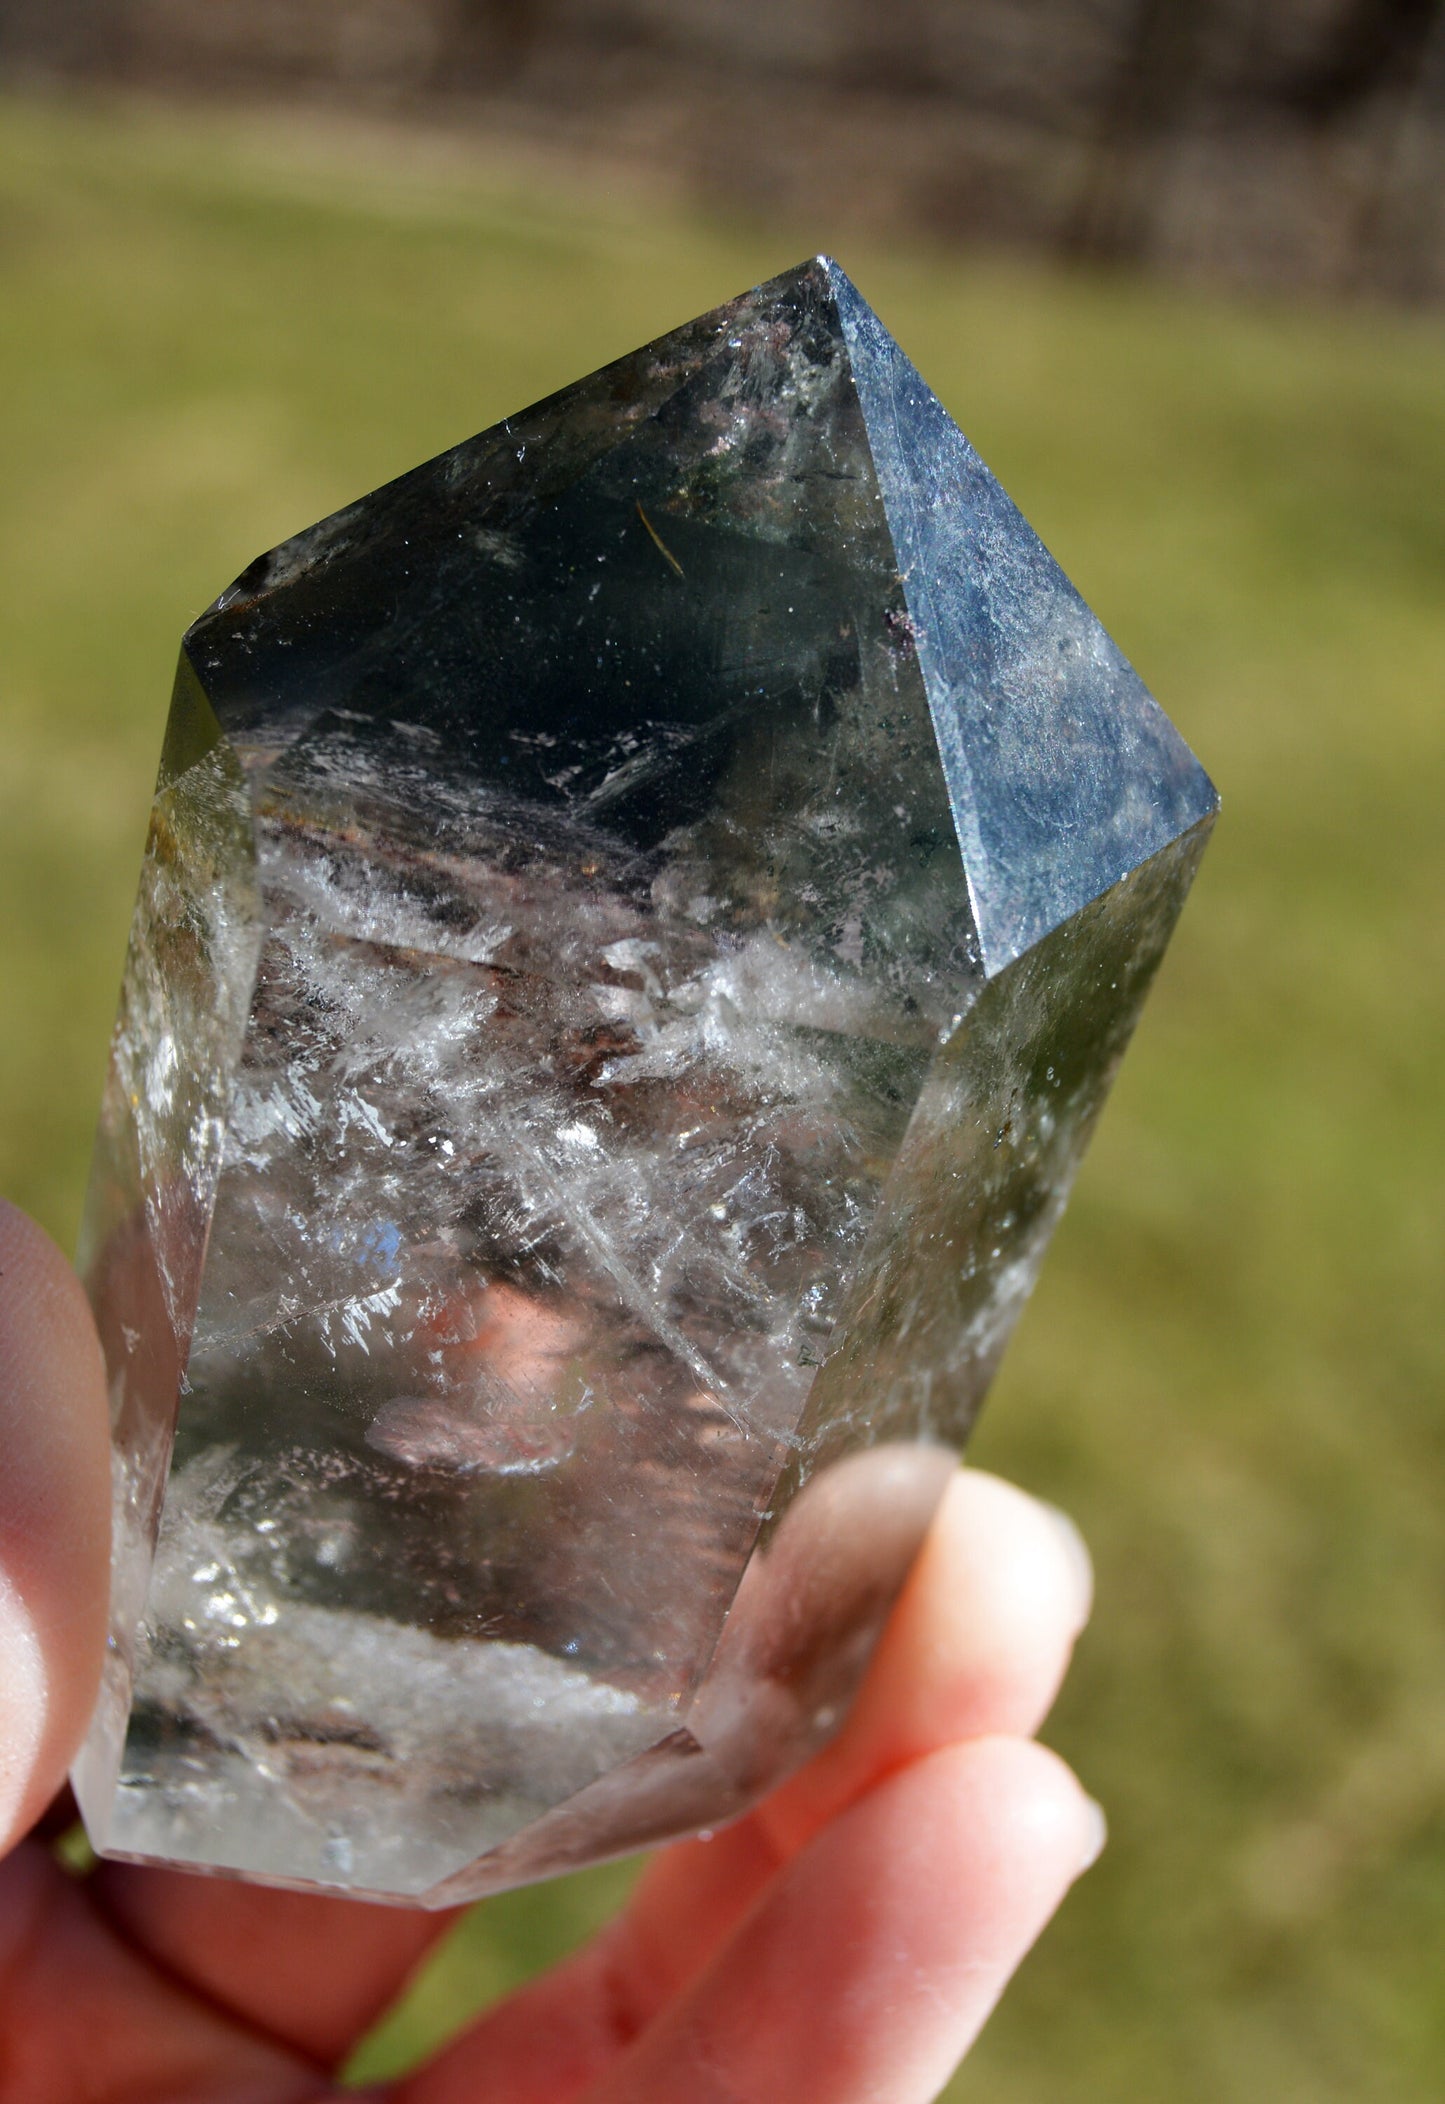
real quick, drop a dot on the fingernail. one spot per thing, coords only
(1076, 1549)
(1096, 1834)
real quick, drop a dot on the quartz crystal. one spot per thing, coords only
(639, 917)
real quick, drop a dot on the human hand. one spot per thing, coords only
(842, 1943)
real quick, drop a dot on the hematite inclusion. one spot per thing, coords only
(640, 915)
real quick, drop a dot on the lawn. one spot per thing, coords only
(212, 333)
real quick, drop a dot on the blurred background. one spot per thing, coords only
(1300, 141)
(1177, 268)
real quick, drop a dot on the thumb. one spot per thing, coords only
(54, 1519)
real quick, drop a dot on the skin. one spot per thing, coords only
(843, 1943)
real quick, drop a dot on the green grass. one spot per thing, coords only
(1233, 1368)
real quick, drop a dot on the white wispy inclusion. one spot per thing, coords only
(571, 1159)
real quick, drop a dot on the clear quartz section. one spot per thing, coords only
(620, 988)
(158, 1153)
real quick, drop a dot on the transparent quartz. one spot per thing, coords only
(639, 918)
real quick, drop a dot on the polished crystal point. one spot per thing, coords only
(640, 915)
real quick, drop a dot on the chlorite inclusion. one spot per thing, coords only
(639, 917)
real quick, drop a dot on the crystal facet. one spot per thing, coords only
(639, 917)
